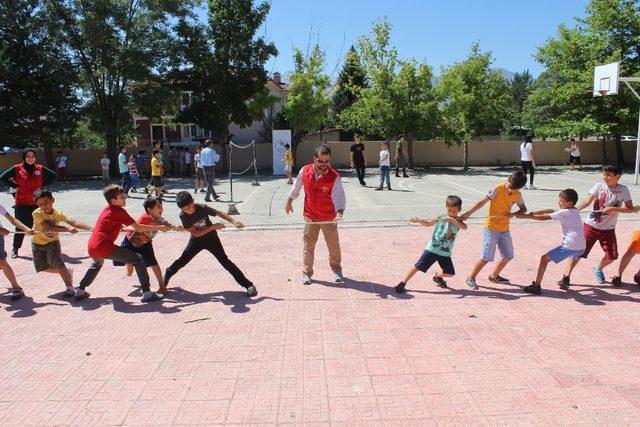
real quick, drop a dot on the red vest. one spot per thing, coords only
(27, 183)
(318, 205)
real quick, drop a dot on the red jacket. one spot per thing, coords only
(27, 183)
(318, 204)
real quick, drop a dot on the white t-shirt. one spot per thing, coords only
(62, 161)
(387, 161)
(576, 152)
(572, 231)
(105, 163)
(196, 160)
(525, 151)
(606, 196)
(3, 211)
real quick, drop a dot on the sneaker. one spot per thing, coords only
(68, 293)
(405, 176)
(133, 190)
(16, 294)
(202, 190)
(532, 187)
(400, 288)
(439, 281)
(597, 271)
(166, 277)
(533, 288)
(195, 191)
(81, 294)
(526, 187)
(252, 291)
(564, 283)
(389, 189)
(498, 279)
(207, 200)
(14, 253)
(338, 277)
(151, 296)
(378, 188)
(216, 198)
(616, 281)
(472, 284)
(306, 279)
(636, 278)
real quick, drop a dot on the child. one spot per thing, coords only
(199, 172)
(496, 231)
(573, 242)
(195, 219)
(101, 246)
(47, 253)
(288, 162)
(61, 163)
(104, 165)
(385, 167)
(133, 173)
(608, 198)
(141, 243)
(157, 170)
(440, 246)
(632, 250)
(17, 291)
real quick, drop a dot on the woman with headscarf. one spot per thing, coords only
(26, 178)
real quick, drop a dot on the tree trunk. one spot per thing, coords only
(619, 152)
(604, 150)
(466, 155)
(112, 149)
(409, 139)
(46, 144)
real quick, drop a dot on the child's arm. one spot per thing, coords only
(474, 208)
(628, 208)
(539, 216)
(49, 227)
(236, 224)
(586, 202)
(424, 222)
(141, 228)
(542, 212)
(79, 225)
(455, 221)
(206, 230)
(17, 223)
(520, 213)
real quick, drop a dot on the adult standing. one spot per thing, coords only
(187, 162)
(528, 160)
(385, 166)
(123, 168)
(324, 204)
(26, 178)
(400, 159)
(357, 158)
(208, 160)
(574, 155)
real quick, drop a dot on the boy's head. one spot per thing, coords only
(516, 181)
(454, 205)
(287, 146)
(156, 153)
(185, 202)
(356, 137)
(383, 145)
(59, 152)
(44, 199)
(153, 206)
(611, 174)
(104, 155)
(114, 194)
(567, 198)
(123, 148)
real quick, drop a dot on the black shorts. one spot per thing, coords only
(156, 181)
(146, 251)
(575, 160)
(428, 259)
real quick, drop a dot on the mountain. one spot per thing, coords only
(508, 75)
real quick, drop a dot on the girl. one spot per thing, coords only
(528, 159)
(133, 173)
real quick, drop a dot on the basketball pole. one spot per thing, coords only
(627, 81)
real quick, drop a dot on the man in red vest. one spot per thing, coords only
(324, 203)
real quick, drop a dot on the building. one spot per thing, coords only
(189, 134)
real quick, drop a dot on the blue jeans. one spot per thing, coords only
(126, 181)
(385, 173)
(491, 239)
(135, 179)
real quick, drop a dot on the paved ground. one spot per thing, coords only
(326, 354)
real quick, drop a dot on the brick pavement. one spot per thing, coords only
(323, 354)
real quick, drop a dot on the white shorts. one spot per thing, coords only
(287, 168)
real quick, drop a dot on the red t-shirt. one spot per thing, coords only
(106, 231)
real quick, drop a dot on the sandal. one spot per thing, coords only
(498, 279)
(17, 294)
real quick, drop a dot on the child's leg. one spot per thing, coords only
(10, 275)
(129, 257)
(625, 260)
(505, 245)
(158, 273)
(63, 272)
(609, 243)
(489, 243)
(192, 249)
(477, 267)
(214, 246)
(410, 274)
(499, 267)
(91, 273)
(542, 267)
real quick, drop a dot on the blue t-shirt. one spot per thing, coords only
(122, 163)
(444, 234)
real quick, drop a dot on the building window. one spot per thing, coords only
(185, 99)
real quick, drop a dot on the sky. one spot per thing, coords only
(440, 32)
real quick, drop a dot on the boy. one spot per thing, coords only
(199, 173)
(195, 219)
(17, 291)
(496, 231)
(61, 163)
(101, 246)
(104, 166)
(385, 167)
(142, 244)
(47, 253)
(608, 198)
(288, 163)
(440, 246)
(573, 241)
(632, 250)
(157, 169)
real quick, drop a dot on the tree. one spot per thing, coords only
(351, 81)
(307, 103)
(400, 99)
(115, 45)
(37, 81)
(224, 65)
(520, 89)
(475, 100)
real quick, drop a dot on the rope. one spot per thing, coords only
(246, 170)
(242, 146)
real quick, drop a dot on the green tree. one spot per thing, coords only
(351, 81)
(37, 81)
(117, 46)
(308, 102)
(475, 100)
(224, 65)
(520, 89)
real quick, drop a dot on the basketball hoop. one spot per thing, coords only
(601, 92)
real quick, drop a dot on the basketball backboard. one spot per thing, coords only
(605, 79)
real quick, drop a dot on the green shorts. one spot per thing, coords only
(47, 256)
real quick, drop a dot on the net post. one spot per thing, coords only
(255, 166)
(232, 209)
(637, 171)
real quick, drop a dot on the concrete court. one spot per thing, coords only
(326, 354)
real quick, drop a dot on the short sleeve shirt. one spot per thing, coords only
(105, 163)
(62, 161)
(443, 237)
(605, 196)
(3, 211)
(39, 217)
(138, 239)
(199, 219)
(358, 153)
(106, 231)
(571, 223)
(387, 161)
(122, 163)
(500, 208)
(156, 167)
(288, 158)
